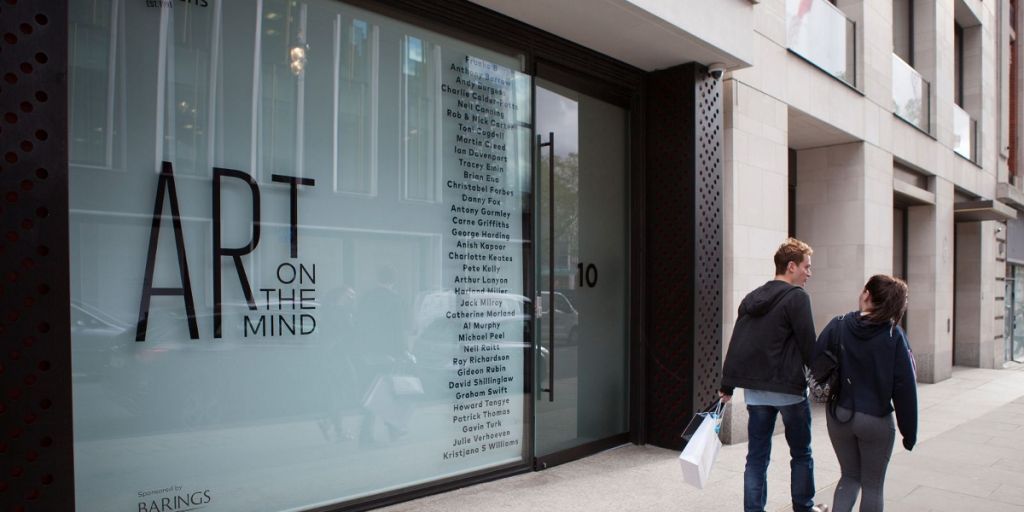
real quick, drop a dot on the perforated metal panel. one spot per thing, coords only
(35, 405)
(684, 248)
(708, 239)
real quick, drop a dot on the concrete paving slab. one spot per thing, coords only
(970, 456)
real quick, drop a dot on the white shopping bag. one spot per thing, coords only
(382, 401)
(700, 453)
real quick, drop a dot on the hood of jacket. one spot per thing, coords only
(760, 301)
(862, 328)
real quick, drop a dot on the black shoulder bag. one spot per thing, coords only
(823, 379)
(823, 376)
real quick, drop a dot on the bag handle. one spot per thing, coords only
(716, 413)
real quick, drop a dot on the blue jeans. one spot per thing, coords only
(797, 420)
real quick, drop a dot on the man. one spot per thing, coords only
(771, 343)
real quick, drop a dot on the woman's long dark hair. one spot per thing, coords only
(888, 298)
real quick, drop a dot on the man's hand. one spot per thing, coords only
(724, 397)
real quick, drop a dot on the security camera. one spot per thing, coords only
(716, 70)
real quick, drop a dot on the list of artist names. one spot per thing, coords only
(484, 264)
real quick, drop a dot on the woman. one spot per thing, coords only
(877, 376)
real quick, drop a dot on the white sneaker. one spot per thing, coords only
(820, 507)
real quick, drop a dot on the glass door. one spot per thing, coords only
(582, 402)
(1015, 313)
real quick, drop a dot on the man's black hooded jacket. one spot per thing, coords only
(772, 341)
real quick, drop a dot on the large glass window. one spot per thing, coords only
(1013, 331)
(297, 254)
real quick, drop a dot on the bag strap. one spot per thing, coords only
(835, 339)
(834, 405)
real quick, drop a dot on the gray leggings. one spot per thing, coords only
(863, 447)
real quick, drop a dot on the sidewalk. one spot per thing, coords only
(969, 456)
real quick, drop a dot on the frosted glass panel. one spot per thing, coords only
(297, 254)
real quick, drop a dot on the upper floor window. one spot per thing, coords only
(903, 30)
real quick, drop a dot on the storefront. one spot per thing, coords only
(325, 255)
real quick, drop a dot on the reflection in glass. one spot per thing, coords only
(965, 134)
(910, 94)
(421, 118)
(187, 106)
(355, 159)
(822, 34)
(94, 39)
(281, 88)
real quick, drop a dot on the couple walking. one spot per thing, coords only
(773, 341)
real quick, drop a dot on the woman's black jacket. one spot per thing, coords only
(876, 369)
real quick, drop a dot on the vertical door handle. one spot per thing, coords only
(550, 144)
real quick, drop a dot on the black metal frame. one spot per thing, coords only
(578, 452)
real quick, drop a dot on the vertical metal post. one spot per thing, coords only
(550, 144)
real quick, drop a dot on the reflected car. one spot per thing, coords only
(170, 382)
(439, 336)
(566, 318)
(96, 338)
